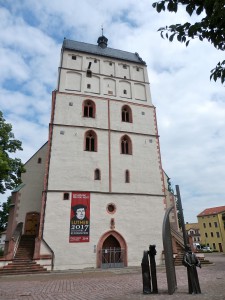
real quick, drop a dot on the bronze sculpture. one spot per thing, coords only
(191, 261)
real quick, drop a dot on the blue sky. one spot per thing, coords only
(190, 108)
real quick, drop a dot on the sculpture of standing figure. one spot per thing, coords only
(191, 262)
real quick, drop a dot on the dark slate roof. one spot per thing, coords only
(108, 52)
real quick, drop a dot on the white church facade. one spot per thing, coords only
(94, 194)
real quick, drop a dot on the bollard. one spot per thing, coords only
(146, 274)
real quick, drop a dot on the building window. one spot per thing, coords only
(110, 63)
(89, 109)
(125, 66)
(211, 234)
(66, 196)
(39, 160)
(74, 57)
(137, 69)
(88, 86)
(125, 92)
(111, 208)
(89, 73)
(215, 224)
(127, 176)
(126, 145)
(95, 61)
(91, 141)
(97, 174)
(204, 225)
(214, 246)
(210, 225)
(218, 234)
(206, 235)
(126, 114)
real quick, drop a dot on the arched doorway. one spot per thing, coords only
(112, 251)
(32, 223)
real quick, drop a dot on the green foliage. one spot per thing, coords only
(10, 168)
(4, 213)
(211, 27)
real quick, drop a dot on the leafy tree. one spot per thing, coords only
(4, 213)
(10, 168)
(211, 27)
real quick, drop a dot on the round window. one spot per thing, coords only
(111, 208)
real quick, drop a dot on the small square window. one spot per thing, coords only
(125, 77)
(88, 86)
(74, 57)
(125, 66)
(110, 63)
(110, 92)
(137, 69)
(62, 132)
(70, 103)
(95, 61)
(66, 196)
(125, 92)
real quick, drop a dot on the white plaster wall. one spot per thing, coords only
(68, 114)
(143, 164)
(102, 68)
(143, 118)
(72, 167)
(31, 193)
(137, 218)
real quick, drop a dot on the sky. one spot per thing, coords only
(190, 108)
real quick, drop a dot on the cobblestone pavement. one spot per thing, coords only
(113, 284)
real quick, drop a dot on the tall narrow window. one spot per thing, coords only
(89, 73)
(126, 114)
(97, 174)
(89, 109)
(91, 141)
(126, 146)
(39, 160)
(127, 176)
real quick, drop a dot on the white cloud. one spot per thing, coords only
(190, 108)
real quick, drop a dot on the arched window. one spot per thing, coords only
(126, 114)
(91, 141)
(97, 174)
(127, 176)
(89, 109)
(126, 145)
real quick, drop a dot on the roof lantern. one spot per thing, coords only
(102, 40)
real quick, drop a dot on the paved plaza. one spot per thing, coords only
(116, 284)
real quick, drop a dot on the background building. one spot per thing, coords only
(212, 227)
(193, 233)
(102, 158)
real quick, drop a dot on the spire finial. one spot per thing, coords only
(102, 29)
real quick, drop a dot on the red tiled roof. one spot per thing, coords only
(212, 211)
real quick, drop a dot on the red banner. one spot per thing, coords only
(80, 217)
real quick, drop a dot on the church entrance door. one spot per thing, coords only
(32, 223)
(112, 256)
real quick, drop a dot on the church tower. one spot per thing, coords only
(103, 200)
